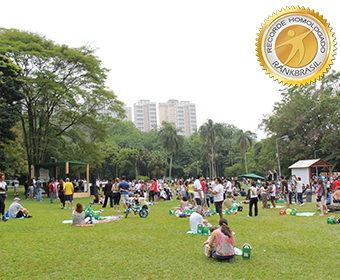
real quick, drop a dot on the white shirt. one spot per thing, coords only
(2, 185)
(229, 186)
(195, 219)
(263, 190)
(197, 186)
(274, 191)
(219, 196)
(253, 192)
(298, 186)
(213, 185)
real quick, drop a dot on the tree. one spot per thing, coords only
(211, 133)
(244, 138)
(63, 88)
(10, 98)
(156, 164)
(171, 140)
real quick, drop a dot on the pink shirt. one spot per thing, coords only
(224, 244)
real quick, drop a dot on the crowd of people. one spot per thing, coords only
(198, 193)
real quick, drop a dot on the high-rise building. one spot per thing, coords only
(145, 115)
(182, 114)
(128, 113)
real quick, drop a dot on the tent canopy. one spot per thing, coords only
(59, 163)
(251, 175)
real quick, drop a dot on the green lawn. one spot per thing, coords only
(284, 247)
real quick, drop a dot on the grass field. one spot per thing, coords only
(284, 247)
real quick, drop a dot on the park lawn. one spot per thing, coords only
(284, 247)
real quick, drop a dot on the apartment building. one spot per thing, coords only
(145, 115)
(182, 114)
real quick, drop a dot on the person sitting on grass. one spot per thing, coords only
(336, 195)
(224, 243)
(163, 195)
(228, 202)
(209, 250)
(184, 203)
(78, 216)
(196, 218)
(96, 200)
(17, 211)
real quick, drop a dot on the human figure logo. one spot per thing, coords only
(295, 46)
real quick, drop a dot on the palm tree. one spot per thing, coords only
(171, 140)
(211, 133)
(243, 138)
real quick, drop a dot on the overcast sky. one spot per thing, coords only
(197, 51)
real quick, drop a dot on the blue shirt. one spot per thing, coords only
(125, 186)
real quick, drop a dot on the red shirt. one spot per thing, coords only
(204, 184)
(155, 186)
(336, 184)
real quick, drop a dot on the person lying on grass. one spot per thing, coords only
(223, 249)
(17, 211)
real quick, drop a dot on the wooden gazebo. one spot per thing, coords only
(50, 169)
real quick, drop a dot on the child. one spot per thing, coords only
(184, 203)
(208, 250)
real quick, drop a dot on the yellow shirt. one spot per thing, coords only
(68, 188)
(191, 189)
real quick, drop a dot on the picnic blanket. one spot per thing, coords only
(305, 214)
(193, 232)
(106, 219)
(8, 217)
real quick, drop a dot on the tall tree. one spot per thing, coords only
(244, 138)
(63, 89)
(10, 107)
(171, 140)
(211, 133)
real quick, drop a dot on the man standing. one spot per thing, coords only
(108, 193)
(229, 187)
(69, 190)
(270, 175)
(16, 187)
(275, 176)
(218, 196)
(285, 191)
(198, 193)
(38, 187)
(299, 189)
(124, 188)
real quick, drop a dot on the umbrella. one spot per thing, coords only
(251, 175)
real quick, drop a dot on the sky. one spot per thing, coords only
(190, 50)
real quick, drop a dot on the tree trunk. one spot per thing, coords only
(245, 161)
(170, 166)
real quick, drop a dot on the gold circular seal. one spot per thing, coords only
(295, 46)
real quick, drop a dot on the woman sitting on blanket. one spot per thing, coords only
(224, 242)
(184, 203)
(78, 216)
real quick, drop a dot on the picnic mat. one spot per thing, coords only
(101, 220)
(192, 232)
(305, 214)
